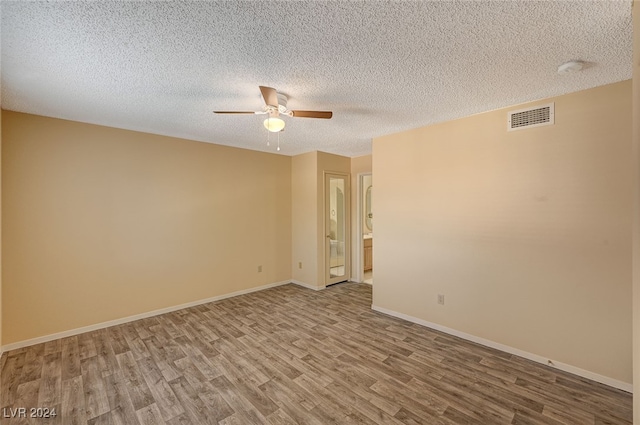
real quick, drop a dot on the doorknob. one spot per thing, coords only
(329, 236)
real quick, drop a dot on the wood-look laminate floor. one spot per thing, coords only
(289, 355)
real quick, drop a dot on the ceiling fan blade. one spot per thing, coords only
(270, 96)
(312, 114)
(237, 112)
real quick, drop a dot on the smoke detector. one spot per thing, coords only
(570, 67)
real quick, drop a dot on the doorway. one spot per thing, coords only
(337, 229)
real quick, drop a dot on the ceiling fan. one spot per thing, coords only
(276, 105)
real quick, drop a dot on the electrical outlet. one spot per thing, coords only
(441, 299)
(259, 269)
(299, 264)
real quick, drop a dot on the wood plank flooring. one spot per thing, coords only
(289, 355)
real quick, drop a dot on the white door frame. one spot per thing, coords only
(358, 264)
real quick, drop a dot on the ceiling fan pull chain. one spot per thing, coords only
(279, 141)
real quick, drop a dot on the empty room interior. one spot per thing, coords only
(320, 212)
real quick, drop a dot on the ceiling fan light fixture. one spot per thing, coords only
(274, 124)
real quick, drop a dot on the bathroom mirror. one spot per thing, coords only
(368, 215)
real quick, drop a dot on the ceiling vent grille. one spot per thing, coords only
(530, 117)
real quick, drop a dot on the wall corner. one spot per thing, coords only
(636, 209)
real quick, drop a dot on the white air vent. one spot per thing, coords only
(530, 117)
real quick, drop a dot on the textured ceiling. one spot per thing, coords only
(381, 67)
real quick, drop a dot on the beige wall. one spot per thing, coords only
(526, 233)
(636, 212)
(304, 219)
(1, 234)
(101, 223)
(359, 165)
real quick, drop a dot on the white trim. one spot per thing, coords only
(360, 225)
(625, 386)
(90, 328)
(358, 262)
(307, 285)
(356, 274)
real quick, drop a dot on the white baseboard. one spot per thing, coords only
(307, 285)
(90, 328)
(530, 356)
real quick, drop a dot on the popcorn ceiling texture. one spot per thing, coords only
(381, 67)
